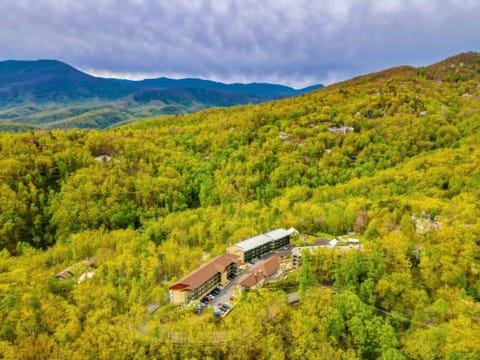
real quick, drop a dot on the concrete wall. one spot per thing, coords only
(223, 278)
(179, 297)
(236, 251)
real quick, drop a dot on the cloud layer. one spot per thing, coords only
(291, 41)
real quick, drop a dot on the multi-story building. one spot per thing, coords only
(297, 254)
(260, 273)
(260, 245)
(342, 245)
(203, 280)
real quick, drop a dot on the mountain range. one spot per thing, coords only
(96, 226)
(52, 94)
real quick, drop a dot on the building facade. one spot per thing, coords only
(202, 281)
(260, 273)
(258, 246)
(342, 245)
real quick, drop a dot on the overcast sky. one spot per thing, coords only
(295, 42)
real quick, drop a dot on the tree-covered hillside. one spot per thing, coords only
(49, 94)
(392, 156)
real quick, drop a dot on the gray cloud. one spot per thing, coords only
(292, 41)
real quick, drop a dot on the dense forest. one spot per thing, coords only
(151, 201)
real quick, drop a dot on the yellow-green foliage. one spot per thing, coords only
(176, 190)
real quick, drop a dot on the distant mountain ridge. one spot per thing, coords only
(31, 90)
(51, 80)
(262, 89)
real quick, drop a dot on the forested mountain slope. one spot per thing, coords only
(46, 81)
(152, 200)
(51, 94)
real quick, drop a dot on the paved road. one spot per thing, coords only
(225, 294)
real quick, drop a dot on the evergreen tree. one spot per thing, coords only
(305, 278)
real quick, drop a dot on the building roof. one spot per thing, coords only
(205, 272)
(278, 234)
(64, 274)
(249, 280)
(283, 252)
(103, 158)
(81, 266)
(269, 266)
(293, 298)
(321, 241)
(297, 251)
(262, 239)
(260, 271)
(253, 242)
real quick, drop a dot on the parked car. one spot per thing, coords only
(227, 304)
(218, 313)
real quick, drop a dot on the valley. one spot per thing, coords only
(47, 94)
(391, 156)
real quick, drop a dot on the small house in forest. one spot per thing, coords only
(76, 269)
(341, 130)
(293, 298)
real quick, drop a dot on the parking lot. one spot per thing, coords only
(225, 296)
